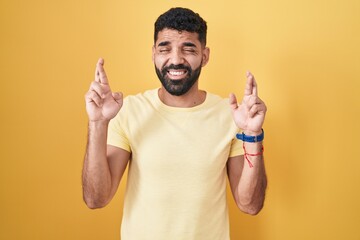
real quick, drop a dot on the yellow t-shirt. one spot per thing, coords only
(176, 186)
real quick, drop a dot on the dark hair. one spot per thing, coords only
(181, 19)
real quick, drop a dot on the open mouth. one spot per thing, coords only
(177, 74)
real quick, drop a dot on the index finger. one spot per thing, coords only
(101, 72)
(251, 86)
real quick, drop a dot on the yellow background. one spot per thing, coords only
(304, 54)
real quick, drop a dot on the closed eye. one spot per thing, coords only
(164, 50)
(192, 50)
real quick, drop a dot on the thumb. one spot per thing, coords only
(118, 97)
(233, 102)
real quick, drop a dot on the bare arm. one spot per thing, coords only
(103, 165)
(248, 183)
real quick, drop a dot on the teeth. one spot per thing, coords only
(176, 73)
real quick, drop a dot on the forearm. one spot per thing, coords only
(252, 184)
(96, 179)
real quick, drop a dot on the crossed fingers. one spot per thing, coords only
(99, 88)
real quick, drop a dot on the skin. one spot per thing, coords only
(248, 184)
(104, 165)
(174, 47)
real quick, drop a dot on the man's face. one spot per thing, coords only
(178, 58)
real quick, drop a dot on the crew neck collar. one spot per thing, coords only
(180, 109)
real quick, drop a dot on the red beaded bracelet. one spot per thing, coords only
(252, 154)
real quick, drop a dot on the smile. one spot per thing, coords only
(177, 73)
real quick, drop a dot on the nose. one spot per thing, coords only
(176, 57)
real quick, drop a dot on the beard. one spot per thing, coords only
(180, 86)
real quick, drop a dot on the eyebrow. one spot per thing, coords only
(186, 44)
(165, 43)
(189, 44)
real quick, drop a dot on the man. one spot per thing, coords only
(180, 143)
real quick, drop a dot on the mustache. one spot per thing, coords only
(179, 66)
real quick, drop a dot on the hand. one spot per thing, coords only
(250, 114)
(101, 103)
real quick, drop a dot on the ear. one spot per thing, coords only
(153, 54)
(205, 56)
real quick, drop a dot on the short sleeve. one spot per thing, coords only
(117, 133)
(236, 148)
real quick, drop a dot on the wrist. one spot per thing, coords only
(253, 146)
(250, 136)
(98, 123)
(252, 150)
(252, 133)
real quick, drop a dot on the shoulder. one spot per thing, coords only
(147, 96)
(135, 109)
(217, 101)
(217, 108)
(143, 100)
(139, 104)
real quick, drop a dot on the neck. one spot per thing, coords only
(192, 98)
